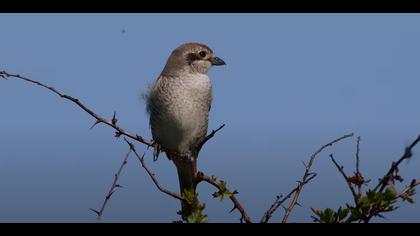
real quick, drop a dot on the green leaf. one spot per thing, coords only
(316, 211)
(190, 197)
(409, 200)
(390, 193)
(197, 217)
(223, 192)
(371, 195)
(411, 192)
(355, 213)
(342, 213)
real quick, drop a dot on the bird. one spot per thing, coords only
(179, 102)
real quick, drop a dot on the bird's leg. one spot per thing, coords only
(186, 157)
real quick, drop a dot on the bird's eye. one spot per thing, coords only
(202, 53)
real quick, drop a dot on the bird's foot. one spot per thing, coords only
(157, 150)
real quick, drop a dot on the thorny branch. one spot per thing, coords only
(358, 174)
(357, 180)
(151, 174)
(307, 176)
(216, 183)
(121, 132)
(280, 200)
(392, 175)
(392, 172)
(113, 188)
(113, 123)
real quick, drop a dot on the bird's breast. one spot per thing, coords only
(180, 106)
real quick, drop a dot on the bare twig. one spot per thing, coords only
(280, 200)
(357, 155)
(307, 177)
(383, 182)
(208, 137)
(152, 175)
(236, 205)
(346, 178)
(113, 188)
(113, 123)
(358, 173)
(358, 180)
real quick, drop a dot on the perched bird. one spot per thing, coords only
(179, 102)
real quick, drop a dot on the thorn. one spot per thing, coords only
(97, 212)
(284, 208)
(117, 134)
(234, 207)
(119, 186)
(110, 194)
(408, 152)
(96, 122)
(114, 119)
(413, 183)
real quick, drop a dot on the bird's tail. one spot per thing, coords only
(187, 181)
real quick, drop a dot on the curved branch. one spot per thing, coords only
(113, 123)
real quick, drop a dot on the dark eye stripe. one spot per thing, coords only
(195, 56)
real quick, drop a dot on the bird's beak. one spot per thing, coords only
(215, 61)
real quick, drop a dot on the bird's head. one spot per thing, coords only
(191, 58)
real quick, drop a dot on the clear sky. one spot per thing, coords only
(292, 83)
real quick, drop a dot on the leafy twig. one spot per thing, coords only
(403, 194)
(220, 185)
(389, 176)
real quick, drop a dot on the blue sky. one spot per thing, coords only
(292, 83)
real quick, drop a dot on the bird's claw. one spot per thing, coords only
(157, 150)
